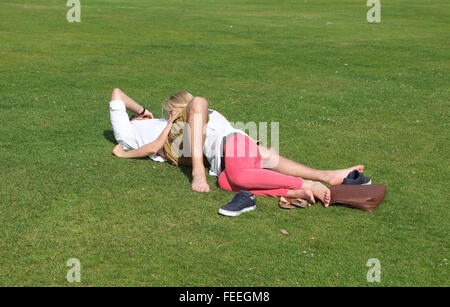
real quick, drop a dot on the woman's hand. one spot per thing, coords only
(118, 151)
(173, 115)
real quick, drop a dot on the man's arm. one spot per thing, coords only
(149, 148)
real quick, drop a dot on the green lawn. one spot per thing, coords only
(344, 91)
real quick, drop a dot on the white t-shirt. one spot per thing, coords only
(218, 127)
(148, 130)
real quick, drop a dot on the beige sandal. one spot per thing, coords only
(285, 204)
(298, 202)
(292, 203)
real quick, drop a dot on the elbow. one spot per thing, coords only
(153, 149)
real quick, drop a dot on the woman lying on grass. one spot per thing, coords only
(233, 156)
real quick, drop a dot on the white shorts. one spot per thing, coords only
(123, 130)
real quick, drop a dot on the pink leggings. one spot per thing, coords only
(243, 170)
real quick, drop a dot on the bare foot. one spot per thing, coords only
(199, 184)
(319, 190)
(302, 194)
(337, 176)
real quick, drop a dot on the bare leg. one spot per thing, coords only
(197, 115)
(131, 105)
(276, 162)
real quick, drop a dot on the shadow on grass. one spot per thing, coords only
(109, 135)
(187, 172)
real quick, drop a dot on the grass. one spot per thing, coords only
(344, 91)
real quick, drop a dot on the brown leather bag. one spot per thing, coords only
(364, 197)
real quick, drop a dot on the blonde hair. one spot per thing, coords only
(178, 101)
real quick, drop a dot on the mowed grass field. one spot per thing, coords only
(344, 91)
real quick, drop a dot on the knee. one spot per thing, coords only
(235, 177)
(116, 94)
(269, 156)
(267, 153)
(199, 104)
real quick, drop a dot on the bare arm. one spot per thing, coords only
(149, 148)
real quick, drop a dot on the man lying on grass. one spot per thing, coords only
(238, 161)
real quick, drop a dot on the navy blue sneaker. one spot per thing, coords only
(356, 177)
(243, 201)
